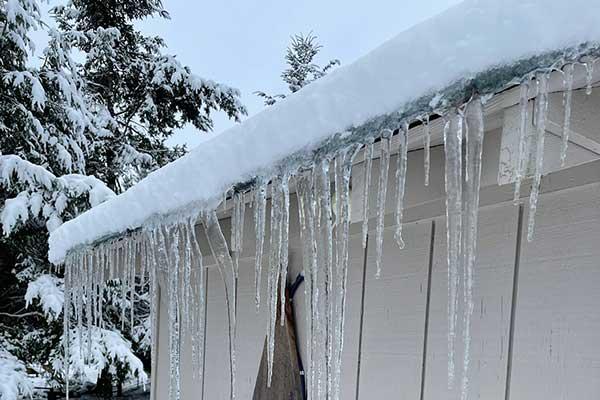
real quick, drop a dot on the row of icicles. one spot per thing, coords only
(324, 218)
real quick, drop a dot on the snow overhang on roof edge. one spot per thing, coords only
(484, 83)
(478, 46)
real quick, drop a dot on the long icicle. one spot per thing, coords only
(384, 166)
(342, 244)
(324, 311)
(567, 100)
(260, 207)
(220, 250)
(307, 189)
(66, 322)
(274, 271)
(326, 264)
(201, 308)
(285, 228)
(400, 183)
(521, 169)
(475, 133)
(174, 313)
(368, 163)
(453, 149)
(541, 117)
(303, 190)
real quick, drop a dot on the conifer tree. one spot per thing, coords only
(302, 69)
(75, 130)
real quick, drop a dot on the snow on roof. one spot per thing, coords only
(462, 42)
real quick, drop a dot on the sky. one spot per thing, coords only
(242, 43)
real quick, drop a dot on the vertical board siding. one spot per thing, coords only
(394, 313)
(161, 391)
(491, 316)
(251, 330)
(352, 324)
(556, 351)
(557, 348)
(216, 375)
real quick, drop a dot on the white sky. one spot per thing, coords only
(242, 42)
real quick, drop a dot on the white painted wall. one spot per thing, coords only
(556, 352)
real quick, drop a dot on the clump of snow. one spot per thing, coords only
(42, 194)
(107, 348)
(48, 290)
(424, 59)
(14, 382)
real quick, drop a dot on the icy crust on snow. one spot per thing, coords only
(477, 46)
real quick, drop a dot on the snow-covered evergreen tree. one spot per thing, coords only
(146, 93)
(73, 131)
(302, 69)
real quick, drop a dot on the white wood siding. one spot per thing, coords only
(555, 346)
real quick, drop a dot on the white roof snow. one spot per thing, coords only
(469, 38)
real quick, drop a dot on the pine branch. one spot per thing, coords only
(24, 315)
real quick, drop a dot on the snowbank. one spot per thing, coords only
(463, 41)
(14, 382)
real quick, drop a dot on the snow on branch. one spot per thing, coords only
(105, 348)
(39, 193)
(48, 290)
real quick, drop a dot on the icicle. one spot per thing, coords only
(66, 321)
(427, 150)
(523, 139)
(153, 245)
(89, 303)
(342, 245)
(79, 300)
(303, 188)
(306, 208)
(589, 68)
(453, 178)
(384, 165)
(260, 206)
(113, 255)
(325, 254)
(201, 310)
(285, 231)
(143, 260)
(567, 100)
(237, 227)
(132, 269)
(400, 183)
(123, 277)
(368, 163)
(474, 132)
(274, 270)
(100, 285)
(541, 117)
(220, 250)
(174, 314)
(187, 277)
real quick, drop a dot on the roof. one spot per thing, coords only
(478, 45)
